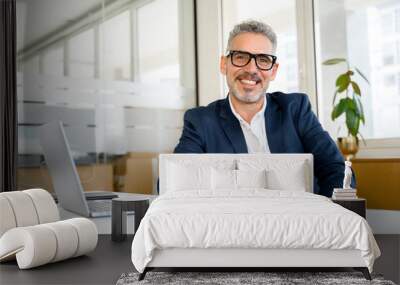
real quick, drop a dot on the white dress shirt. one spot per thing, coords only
(254, 133)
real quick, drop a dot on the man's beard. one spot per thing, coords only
(247, 98)
(244, 97)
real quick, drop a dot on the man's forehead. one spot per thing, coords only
(252, 42)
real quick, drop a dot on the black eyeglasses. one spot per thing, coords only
(242, 58)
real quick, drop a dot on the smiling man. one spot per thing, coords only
(250, 120)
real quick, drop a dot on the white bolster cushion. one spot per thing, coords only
(67, 240)
(33, 246)
(23, 208)
(26, 208)
(7, 218)
(37, 245)
(46, 208)
(87, 234)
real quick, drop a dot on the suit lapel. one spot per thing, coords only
(273, 125)
(231, 127)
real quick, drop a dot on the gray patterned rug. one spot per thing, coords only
(242, 278)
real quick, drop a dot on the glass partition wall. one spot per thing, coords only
(118, 74)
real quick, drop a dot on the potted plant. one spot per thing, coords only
(347, 102)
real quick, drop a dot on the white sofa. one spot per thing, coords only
(31, 231)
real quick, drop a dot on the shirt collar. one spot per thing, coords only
(259, 113)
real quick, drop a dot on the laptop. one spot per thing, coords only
(65, 178)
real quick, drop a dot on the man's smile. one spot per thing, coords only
(249, 81)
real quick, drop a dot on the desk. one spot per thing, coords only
(104, 265)
(120, 209)
(103, 224)
(356, 205)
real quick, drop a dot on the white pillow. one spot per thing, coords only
(280, 174)
(251, 178)
(292, 180)
(182, 177)
(223, 179)
(228, 179)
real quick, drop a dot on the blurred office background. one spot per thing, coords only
(120, 74)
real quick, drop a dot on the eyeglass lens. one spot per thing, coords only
(263, 61)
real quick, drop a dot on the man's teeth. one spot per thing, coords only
(250, 82)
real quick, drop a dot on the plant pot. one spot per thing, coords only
(348, 146)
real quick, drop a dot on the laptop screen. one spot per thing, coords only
(62, 168)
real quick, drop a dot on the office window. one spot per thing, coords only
(386, 22)
(115, 48)
(281, 15)
(398, 85)
(389, 54)
(390, 80)
(158, 62)
(53, 61)
(81, 55)
(31, 66)
(373, 49)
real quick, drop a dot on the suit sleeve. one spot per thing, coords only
(191, 140)
(328, 161)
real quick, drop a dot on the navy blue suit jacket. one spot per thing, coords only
(291, 127)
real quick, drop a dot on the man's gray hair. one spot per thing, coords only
(252, 26)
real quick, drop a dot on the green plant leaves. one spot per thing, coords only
(354, 113)
(339, 108)
(351, 105)
(342, 82)
(352, 122)
(347, 104)
(360, 109)
(356, 88)
(333, 61)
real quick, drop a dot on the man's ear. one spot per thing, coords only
(222, 65)
(274, 71)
